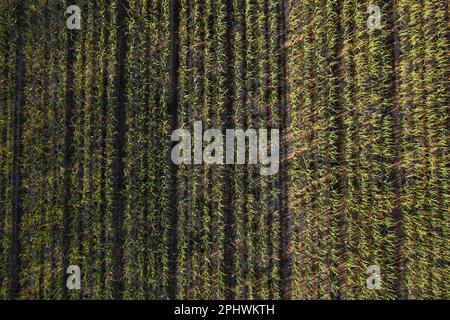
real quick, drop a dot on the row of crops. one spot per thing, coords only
(85, 171)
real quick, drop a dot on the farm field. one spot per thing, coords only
(86, 176)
